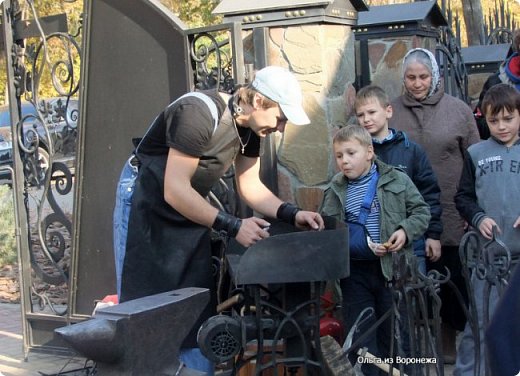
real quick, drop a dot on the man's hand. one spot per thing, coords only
(252, 230)
(433, 249)
(307, 220)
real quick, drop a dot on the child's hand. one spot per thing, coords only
(378, 248)
(396, 241)
(517, 223)
(486, 227)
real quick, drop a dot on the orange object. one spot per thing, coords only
(110, 299)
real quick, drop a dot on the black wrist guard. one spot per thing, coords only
(287, 212)
(228, 223)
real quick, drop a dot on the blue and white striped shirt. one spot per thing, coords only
(356, 191)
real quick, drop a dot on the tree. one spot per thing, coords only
(194, 13)
(474, 20)
(43, 8)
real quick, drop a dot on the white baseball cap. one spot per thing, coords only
(280, 85)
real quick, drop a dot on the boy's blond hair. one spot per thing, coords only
(369, 93)
(354, 132)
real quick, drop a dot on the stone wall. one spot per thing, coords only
(475, 83)
(322, 58)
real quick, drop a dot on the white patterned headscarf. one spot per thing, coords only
(426, 58)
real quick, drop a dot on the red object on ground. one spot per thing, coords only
(110, 299)
(329, 325)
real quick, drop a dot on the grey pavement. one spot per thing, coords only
(14, 363)
(12, 358)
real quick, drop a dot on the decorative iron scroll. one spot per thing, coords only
(500, 35)
(449, 57)
(500, 24)
(453, 69)
(46, 136)
(415, 318)
(490, 262)
(211, 61)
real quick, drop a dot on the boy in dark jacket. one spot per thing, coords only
(485, 198)
(393, 147)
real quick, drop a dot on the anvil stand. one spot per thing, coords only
(296, 325)
(280, 281)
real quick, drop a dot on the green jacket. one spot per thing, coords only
(401, 204)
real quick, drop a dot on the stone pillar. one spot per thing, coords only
(322, 58)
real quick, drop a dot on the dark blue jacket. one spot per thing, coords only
(503, 332)
(411, 158)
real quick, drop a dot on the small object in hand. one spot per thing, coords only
(387, 245)
(373, 246)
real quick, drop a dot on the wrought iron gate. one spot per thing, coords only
(149, 58)
(43, 136)
(136, 57)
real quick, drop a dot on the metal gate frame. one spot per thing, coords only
(91, 274)
(38, 327)
(50, 244)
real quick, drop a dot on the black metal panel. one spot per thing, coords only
(485, 54)
(398, 13)
(285, 13)
(484, 59)
(401, 30)
(336, 8)
(135, 64)
(288, 256)
(400, 20)
(49, 25)
(364, 78)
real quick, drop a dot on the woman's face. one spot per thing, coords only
(417, 80)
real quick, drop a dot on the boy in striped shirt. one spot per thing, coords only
(397, 216)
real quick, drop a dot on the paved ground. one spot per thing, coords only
(13, 362)
(12, 359)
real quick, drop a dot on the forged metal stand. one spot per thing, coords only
(276, 302)
(490, 262)
(418, 319)
(296, 327)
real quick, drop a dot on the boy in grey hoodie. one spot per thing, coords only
(487, 197)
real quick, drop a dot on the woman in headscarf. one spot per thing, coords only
(444, 126)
